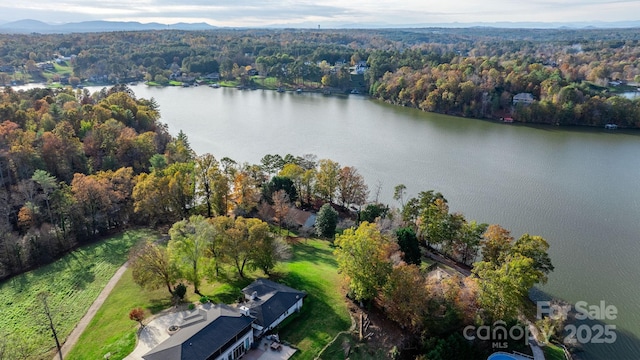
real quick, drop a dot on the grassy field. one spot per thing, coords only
(72, 284)
(312, 269)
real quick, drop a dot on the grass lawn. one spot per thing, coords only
(63, 69)
(111, 330)
(553, 352)
(312, 269)
(73, 283)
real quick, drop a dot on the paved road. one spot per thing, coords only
(86, 319)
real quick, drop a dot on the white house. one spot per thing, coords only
(219, 333)
(523, 98)
(270, 303)
(222, 332)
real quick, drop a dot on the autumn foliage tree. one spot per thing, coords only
(137, 314)
(363, 256)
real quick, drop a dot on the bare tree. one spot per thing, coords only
(281, 206)
(47, 312)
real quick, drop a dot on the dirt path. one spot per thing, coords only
(86, 319)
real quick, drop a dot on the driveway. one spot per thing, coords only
(155, 332)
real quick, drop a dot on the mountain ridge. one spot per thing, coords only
(36, 26)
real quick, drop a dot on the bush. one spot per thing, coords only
(180, 291)
(204, 299)
(192, 306)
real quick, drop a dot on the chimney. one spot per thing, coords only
(244, 310)
(254, 295)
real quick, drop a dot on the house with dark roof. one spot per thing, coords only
(218, 333)
(270, 303)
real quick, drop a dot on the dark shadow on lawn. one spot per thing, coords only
(317, 320)
(157, 305)
(310, 253)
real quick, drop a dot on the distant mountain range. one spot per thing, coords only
(35, 26)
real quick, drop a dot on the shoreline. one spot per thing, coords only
(339, 93)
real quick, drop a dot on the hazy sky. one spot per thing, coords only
(291, 12)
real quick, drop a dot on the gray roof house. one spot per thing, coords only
(219, 333)
(270, 303)
(523, 98)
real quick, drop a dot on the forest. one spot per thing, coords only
(572, 76)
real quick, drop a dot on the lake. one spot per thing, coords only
(578, 188)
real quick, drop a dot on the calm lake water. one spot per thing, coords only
(578, 188)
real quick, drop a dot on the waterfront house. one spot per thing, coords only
(270, 303)
(523, 98)
(219, 333)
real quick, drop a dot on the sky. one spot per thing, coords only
(328, 13)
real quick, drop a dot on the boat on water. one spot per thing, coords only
(611, 126)
(355, 91)
(214, 86)
(299, 90)
(280, 90)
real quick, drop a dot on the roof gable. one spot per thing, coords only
(272, 300)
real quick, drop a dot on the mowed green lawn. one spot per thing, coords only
(312, 268)
(72, 284)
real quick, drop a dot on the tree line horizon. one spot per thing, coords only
(574, 76)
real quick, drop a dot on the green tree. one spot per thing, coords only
(267, 250)
(372, 212)
(504, 290)
(468, 240)
(271, 164)
(399, 192)
(151, 267)
(535, 248)
(179, 150)
(278, 183)
(327, 179)
(326, 222)
(408, 243)
(211, 184)
(363, 258)
(242, 240)
(180, 188)
(188, 248)
(48, 184)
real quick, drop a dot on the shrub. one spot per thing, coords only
(180, 291)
